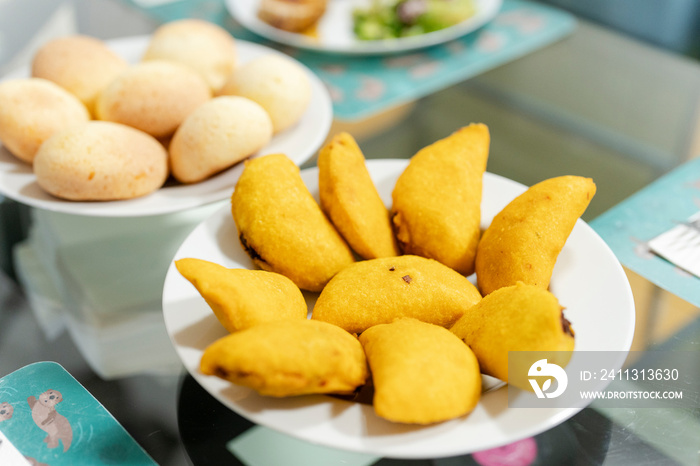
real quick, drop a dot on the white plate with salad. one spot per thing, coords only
(371, 27)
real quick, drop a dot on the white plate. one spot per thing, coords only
(335, 32)
(588, 280)
(299, 143)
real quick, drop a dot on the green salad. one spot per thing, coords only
(391, 19)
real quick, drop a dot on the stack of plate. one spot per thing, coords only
(101, 280)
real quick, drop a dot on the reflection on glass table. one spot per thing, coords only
(213, 434)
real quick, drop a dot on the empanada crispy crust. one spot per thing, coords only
(350, 199)
(436, 210)
(524, 240)
(289, 358)
(377, 291)
(422, 373)
(520, 317)
(282, 227)
(241, 298)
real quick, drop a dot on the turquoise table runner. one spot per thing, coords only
(628, 227)
(363, 86)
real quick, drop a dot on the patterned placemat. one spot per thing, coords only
(629, 227)
(51, 419)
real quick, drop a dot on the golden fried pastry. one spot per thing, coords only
(205, 47)
(422, 373)
(217, 135)
(153, 96)
(292, 15)
(80, 64)
(32, 110)
(377, 291)
(100, 161)
(516, 318)
(276, 82)
(287, 358)
(242, 298)
(350, 199)
(526, 236)
(281, 226)
(436, 209)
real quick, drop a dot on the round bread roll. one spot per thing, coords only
(81, 65)
(277, 83)
(217, 135)
(33, 109)
(205, 47)
(101, 161)
(154, 97)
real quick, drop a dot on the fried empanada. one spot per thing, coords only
(525, 238)
(377, 291)
(282, 227)
(351, 201)
(522, 318)
(422, 373)
(241, 298)
(288, 358)
(436, 209)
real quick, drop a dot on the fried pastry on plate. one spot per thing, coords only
(288, 358)
(436, 208)
(241, 298)
(377, 291)
(525, 238)
(282, 227)
(350, 199)
(422, 373)
(292, 15)
(523, 318)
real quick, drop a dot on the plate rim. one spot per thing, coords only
(120, 208)
(384, 47)
(557, 416)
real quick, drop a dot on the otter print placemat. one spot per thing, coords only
(52, 420)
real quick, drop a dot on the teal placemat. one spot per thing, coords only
(363, 86)
(51, 419)
(629, 226)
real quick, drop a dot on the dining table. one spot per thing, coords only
(88, 295)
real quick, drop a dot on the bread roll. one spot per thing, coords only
(205, 47)
(277, 83)
(81, 65)
(100, 161)
(33, 109)
(217, 135)
(154, 96)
